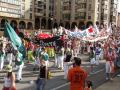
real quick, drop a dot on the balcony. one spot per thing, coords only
(81, 1)
(40, 7)
(39, 14)
(81, 10)
(66, 11)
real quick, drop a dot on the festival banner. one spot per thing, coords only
(90, 34)
(80, 34)
(47, 44)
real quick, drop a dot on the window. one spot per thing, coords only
(90, 0)
(105, 16)
(30, 15)
(90, 6)
(89, 17)
(23, 7)
(106, 7)
(98, 8)
(22, 16)
(0, 8)
(97, 16)
(3, 9)
(66, 16)
(30, 8)
(82, 15)
(81, 6)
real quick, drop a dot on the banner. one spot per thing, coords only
(49, 44)
(101, 36)
(90, 34)
(80, 34)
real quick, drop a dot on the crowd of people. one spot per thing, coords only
(65, 57)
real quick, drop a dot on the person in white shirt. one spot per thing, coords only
(9, 79)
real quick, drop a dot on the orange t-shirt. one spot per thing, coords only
(76, 76)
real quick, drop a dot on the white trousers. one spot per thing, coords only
(76, 52)
(97, 59)
(109, 66)
(9, 58)
(1, 62)
(66, 68)
(56, 60)
(19, 71)
(60, 61)
(47, 63)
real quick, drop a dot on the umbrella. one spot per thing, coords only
(44, 36)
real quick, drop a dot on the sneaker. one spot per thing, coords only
(17, 81)
(91, 73)
(111, 79)
(118, 75)
(107, 78)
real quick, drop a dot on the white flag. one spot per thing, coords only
(61, 30)
(96, 29)
(109, 30)
(76, 29)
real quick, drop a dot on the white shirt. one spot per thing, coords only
(7, 82)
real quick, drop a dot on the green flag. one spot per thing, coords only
(14, 38)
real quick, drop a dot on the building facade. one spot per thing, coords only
(17, 13)
(83, 13)
(48, 14)
(118, 21)
(113, 11)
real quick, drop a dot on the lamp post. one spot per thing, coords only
(52, 22)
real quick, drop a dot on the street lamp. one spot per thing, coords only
(52, 22)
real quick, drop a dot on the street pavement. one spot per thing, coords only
(57, 82)
(111, 85)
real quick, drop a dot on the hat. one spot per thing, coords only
(8, 68)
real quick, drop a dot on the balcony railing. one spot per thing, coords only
(39, 13)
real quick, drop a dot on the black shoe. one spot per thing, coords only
(17, 81)
(34, 69)
(38, 69)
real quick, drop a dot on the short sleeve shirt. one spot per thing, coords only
(76, 76)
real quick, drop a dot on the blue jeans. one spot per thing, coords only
(41, 84)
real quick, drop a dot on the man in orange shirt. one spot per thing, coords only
(77, 76)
